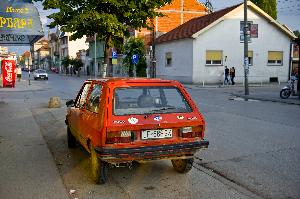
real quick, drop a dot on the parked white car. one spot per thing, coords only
(40, 74)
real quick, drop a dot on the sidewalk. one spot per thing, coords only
(27, 168)
(23, 85)
(266, 92)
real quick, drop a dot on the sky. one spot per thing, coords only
(288, 13)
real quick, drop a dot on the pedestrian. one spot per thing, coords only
(226, 73)
(232, 75)
(19, 73)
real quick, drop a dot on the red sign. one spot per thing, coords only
(8, 72)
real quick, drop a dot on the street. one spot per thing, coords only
(254, 149)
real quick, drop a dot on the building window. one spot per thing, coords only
(275, 58)
(214, 57)
(168, 59)
(250, 58)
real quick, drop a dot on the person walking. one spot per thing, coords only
(226, 73)
(19, 73)
(232, 75)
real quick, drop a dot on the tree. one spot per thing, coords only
(77, 64)
(269, 6)
(135, 46)
(110, 19)
(297, 33)
(66, 61)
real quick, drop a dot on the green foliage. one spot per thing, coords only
(297, 33)
(110, 19)
(76, 63)
(66, 61)
(135, 46)
(269, 6)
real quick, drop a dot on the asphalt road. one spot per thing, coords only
(253, 153)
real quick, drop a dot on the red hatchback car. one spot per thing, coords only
(121, 120)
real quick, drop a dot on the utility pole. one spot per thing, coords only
(298, 82)
(96, 67)
(246, 61)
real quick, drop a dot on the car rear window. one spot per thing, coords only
(147, 100)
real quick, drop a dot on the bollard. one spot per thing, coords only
(54, 102)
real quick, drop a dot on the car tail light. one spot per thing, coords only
(191, 132)
(119, 137)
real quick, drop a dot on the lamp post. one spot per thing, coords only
(246, 61)
(28, 71)
(95, 68)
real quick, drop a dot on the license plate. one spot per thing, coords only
(157, 134)
(42, 77)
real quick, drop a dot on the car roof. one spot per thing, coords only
(132, 80)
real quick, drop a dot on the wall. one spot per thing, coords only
(182, 57)
(226, 36)
(76, 45)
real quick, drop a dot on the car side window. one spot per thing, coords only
(81, 99)
(93, 102)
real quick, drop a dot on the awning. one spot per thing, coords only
(19, 23)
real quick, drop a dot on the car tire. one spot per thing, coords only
(35, 78)
(71, 139)
(46, 78)
(99, 169)
(183, 165)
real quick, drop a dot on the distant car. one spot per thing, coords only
(55, 70)
(119, 121)
(40, 74)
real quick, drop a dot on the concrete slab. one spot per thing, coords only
(27, 168)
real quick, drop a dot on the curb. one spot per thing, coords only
(267, 99)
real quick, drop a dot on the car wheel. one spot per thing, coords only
(46, 78)
(35, 78)
(99, 168)
(183, 165)
(71, 139)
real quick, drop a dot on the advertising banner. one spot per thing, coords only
(8, 73)
(19, 22)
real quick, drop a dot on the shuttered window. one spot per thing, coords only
(275, 57)
(214, 57)
(168, 59)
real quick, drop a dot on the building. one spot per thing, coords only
(39, 50)
(295, 60)
(94, 56)
(175, 14)
(69, 48)
(54, 51)
(82, 55)
(198, 50)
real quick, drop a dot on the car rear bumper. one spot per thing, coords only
(172, 151)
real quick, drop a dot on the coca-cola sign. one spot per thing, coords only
(8, 73)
